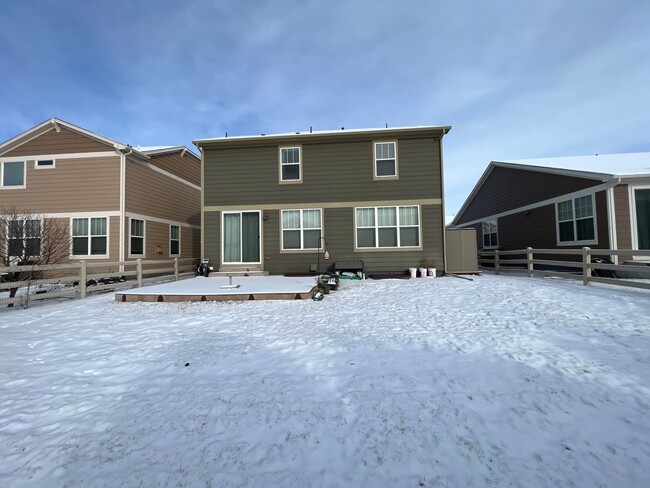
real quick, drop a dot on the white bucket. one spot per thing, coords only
(432, 273)
(413, 272)
(423, 272)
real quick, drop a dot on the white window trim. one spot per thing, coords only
(36, 166)
(633, 223)
(2, 175)
(593, 241)
(496, 225)
(108, 239)
(300, 167)
(376, 227)
(6, 244)
(144, 239)
(302, 249)
(179, 240)
(374, 164)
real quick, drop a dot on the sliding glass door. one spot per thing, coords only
(241, 237)
(642, 214)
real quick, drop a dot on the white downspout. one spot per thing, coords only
(611, 219)
(442, 191)
(123, 233)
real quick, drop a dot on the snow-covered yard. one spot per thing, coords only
(501, 381)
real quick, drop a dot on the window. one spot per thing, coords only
(642, 213)
(13, 174)
(89, 236)
(137, 237)
(290, 164)
(301, 229)
(44, 163)
(174, 240)
(24, 238)
(385, 160)
(388, 226)
(575, 221)
(490, 234)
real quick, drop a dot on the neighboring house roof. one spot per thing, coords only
(56, 124)
(600, 167)
(292, 135)
(157, 150)
(613, 165)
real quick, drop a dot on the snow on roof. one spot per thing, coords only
(151, 150)
(154, 148)
(444, 128)
(609, 164)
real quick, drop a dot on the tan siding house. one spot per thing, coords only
(278, 203)
(96, 187)
(600, 201)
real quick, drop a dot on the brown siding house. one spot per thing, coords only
(600, 201)
(278, 203)
(126, 202)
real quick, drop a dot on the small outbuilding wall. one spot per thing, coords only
(462, 254)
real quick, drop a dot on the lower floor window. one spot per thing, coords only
(89, 236)
(575, 220)
(174, 240)
(24, 238)
(397, 226)
(301, 229)
(490, 233)
(137, 237)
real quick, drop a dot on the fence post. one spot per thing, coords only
(139, 271)
(529, 261)
(496, 261)
(82, 279)
(176, 269)
(586, 268)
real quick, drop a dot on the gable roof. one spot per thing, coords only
(600, 167)
(56, 124)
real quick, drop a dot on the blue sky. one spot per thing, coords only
(515, 78)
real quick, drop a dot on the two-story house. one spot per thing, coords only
(279, 203)
(118, 202)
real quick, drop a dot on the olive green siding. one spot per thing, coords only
(339, 231)
(212, 233)
(331, 172)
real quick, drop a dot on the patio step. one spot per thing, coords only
(239, 271)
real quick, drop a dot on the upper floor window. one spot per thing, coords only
(388, 226)
(301, 229)
(90, 236)
(137, 238)
(576, 223)
(24, 238)
(385, 160)
(174, 240)
(12, 174)
(290, 164)
(490, 233)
